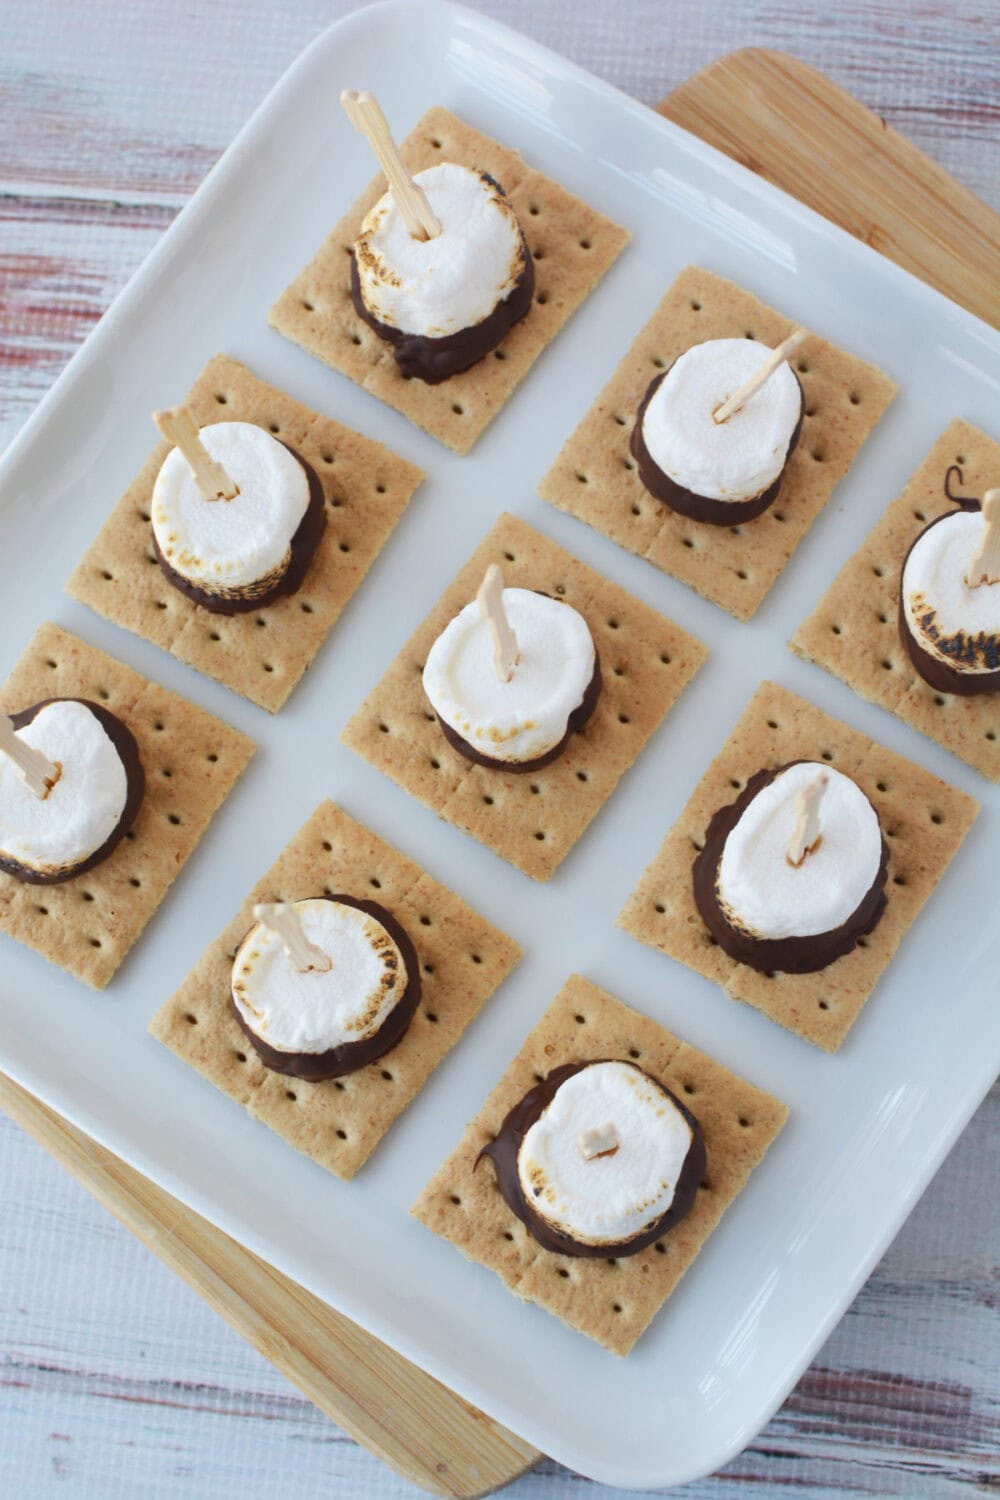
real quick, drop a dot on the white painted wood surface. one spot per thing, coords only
(115, 1380)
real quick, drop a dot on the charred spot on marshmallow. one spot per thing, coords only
(619, 1200)
(232, 556)
(773, 915)
(951, 631)
(524, 723)
(717, 472)
(318, 1024)
(92, 805)
(444, 302)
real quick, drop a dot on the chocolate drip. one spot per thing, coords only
(434, 360)
(686, 502)
(135, 785)
(791, 955)
(966, 502)
(349, 1056)
(302, 549)
(576, 721)
(503, 1149)
(939, 675)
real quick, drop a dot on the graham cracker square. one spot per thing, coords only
(463, 959)
(924, 821)
(572, 245)
(191, 761)
(612, 1301)
(262, 654)
(854, 630)
(530, 819)
(596, 479)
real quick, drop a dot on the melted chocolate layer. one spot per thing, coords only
(349, 1056)
(433, 360)
(302, 549)
(576, 721)
(502, 1152)
(135, 785)
(791, 955)
(936, 673)
(686, 502)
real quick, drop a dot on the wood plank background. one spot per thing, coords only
(114, 1378)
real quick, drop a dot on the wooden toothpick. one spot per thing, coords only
(178, 426)
(365, 114)
(490, 598)
(38, 773)
(600, 1140)
(986, 563)
(806, 834)
(281, 917)
(776, 357)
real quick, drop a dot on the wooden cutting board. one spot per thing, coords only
(790, 124)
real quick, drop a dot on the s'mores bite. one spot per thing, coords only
(346, 977)
(912, 620)
(246, 533)
(525, 695)
(107, 784)
(600, 1165)
(438, 295)
(794, 895)
(718, 440)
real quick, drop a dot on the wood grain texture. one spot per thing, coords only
(787, 122)
(116, 1378)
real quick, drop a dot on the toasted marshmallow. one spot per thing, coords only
(733, 460)
(957, 625)
(764, 895)
(227, 546)
(526, 717)
(82, 810)
(316, 1011)
(439, 286)
(608, 1198)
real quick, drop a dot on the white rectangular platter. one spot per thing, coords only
(869, 1126)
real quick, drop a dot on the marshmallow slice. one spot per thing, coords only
(224, 546)
(528, 716)
(957, 625)
(604, 1199)
(733, 460)
(440, 286)
(316, 1011)
(84, 807)
(757, 888)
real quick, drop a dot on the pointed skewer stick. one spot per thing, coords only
(600, 1140)
(282, 918)
(35, 769)
(490, 598)
(365, 114)
(806, 833)
(986, 563)
(776, 357)
(178, 426)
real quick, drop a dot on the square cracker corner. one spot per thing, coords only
(854, 632)
(572, 244)
(463, 959)
(596, 479)
(924, 821)
(261, 654)
(610, 1302)
(192, 760)
(531, 820)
